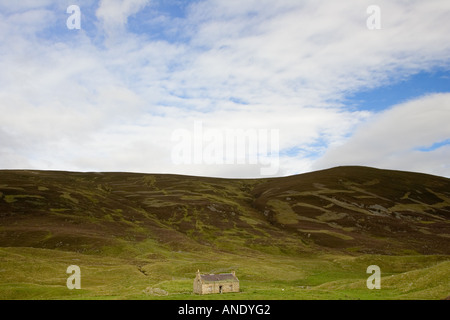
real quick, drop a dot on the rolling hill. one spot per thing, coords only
(164, 226)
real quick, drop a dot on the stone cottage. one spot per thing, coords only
(216, 283)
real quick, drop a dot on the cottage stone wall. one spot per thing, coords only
(219, 287)
(198, 288)
(211, 287)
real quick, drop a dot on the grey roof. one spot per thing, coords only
(228, 277)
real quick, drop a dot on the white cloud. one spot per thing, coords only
(14, 6)
(393, 138)
(80, 105)
(114, 13)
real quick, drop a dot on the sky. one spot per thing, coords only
(225, 88)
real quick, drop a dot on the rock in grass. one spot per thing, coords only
(155, 291)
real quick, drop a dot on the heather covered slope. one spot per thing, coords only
(362, 209)
(349, 208)
(134, 231)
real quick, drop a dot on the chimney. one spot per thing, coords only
(233, 273)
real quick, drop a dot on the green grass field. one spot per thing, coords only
(28, 273)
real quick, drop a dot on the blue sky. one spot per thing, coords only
(401, 90)
(434, 146)
(112, 95)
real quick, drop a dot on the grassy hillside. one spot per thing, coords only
(143, 236)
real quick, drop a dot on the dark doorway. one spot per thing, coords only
(220, 289)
